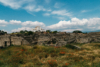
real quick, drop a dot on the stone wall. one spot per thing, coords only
(4, 40)
(7, 40)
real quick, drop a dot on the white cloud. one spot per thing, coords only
(28, 25)
(15, 22)
(15, 4)
(28, 5)
(75, 23)
(70, 25)
(3, 23)
(40, 8)
(84, 11)
(33, 24)
(46, 14)
(62, 13)
(34, 8)
(22, 28)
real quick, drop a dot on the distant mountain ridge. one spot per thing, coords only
(91, 31)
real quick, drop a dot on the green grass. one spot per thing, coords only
(38, 56)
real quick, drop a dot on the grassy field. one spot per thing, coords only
(49, 56)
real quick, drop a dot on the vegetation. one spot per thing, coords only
(49, 31)
(24, 32)
(2, 32)
(77, 31)
(44, 56)
(55, 32)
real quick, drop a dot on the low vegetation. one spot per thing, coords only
(2, 32)
(44, 56)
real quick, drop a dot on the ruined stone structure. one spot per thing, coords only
(7, 40)
(58, 39)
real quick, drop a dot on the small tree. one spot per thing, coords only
(54, 31)
(30, 32)
(2, 32)
(77, 31)
(22, 31)
(48, 31)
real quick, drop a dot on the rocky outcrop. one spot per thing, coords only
(63, 39)
(59, 39)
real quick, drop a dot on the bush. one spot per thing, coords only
(2, 32)
(54, 32)
(77, 31)
(30, 32)
(70, 46)
(49, 31)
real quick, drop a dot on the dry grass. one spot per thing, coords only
(43, 56)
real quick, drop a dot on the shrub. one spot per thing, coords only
(70, 46)
(49, 31)
(77, 31)
(54, 32)
(35, 47)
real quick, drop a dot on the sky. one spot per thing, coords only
(60, 15)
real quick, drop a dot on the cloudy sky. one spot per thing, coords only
(60, 15)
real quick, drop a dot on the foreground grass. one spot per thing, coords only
(44, 56)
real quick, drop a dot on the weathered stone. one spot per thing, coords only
(83, 40)
(49, 39)
(77, 47)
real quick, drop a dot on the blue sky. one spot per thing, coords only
(60, 15)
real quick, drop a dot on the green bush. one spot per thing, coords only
(70, 46)
(48, 31)
(77, 31)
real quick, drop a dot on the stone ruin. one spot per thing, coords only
(59, 39)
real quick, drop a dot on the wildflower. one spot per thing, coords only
(22, 50)
(67, 64)
(52, 63)
(62, 53)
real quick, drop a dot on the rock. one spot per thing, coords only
(83, 40)
(61, 43)
(77, 47)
